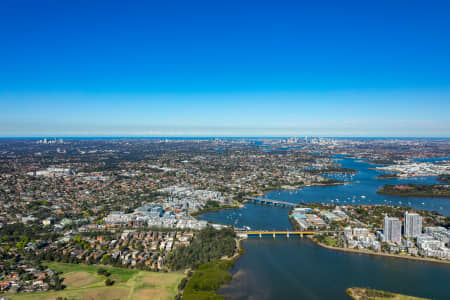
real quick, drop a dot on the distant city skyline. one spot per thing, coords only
(106, 68)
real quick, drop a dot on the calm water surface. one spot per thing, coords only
(298, 269)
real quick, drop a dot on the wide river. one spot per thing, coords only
(299, 269)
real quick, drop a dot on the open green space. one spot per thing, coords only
(323, 239)
(207, 279)
(84, 282)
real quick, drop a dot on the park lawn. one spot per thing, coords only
(83, 282)
(117, 274)
(330, 241)
(152, 285)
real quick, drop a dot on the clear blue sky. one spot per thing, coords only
(224, 68)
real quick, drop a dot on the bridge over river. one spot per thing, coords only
(270, 202)
(274, 234)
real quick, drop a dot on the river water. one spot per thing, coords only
(299, 269)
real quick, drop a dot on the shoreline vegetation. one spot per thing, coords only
(358, 293)
(210, 277)
(208, 260)
(369, 252)
(388, 176)
(416, 190)
(213, 206)
(444, 178)
(207, 279)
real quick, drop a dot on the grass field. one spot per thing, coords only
(83, 282)
(330, 241)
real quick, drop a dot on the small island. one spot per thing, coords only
(380, 162)
(357, 293)
(388, 176)
(416, 190)
(444, 178)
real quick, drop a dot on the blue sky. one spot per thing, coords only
(190, 68)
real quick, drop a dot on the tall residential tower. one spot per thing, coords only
(413, 225)
(392, 229)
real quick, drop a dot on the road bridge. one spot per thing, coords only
(270, 202)
(274, 234)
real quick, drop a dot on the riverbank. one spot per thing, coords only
(267, 268)
(208, 278)
(357, 293)
(359, 251)
(216, 209)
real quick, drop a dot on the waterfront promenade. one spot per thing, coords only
(369, 252)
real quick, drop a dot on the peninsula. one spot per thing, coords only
(357, 293)
(416, 190)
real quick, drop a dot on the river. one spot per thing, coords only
(299, 269)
